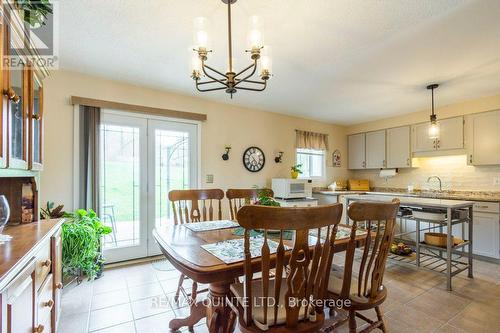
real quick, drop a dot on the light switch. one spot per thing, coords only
(210, 179)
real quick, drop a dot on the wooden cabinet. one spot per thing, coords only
(21, 112)
(375, 150)
(30, 278)
(398, 147)
(356, 148)
(20, 301)
(483, 138)
(451, 136)
(56, 250)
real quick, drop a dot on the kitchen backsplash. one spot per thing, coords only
(454, 172)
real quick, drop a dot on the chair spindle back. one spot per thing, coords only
(240, 197)
(186, 205)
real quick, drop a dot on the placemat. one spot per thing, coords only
(232, 250)
(287, 234)
(210, 225)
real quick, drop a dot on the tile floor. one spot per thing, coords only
(135, 299)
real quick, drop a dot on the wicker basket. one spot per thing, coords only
(436, 239)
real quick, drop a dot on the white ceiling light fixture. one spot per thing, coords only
(230, 81)
(434, 127)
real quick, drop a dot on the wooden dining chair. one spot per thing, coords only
(240, 197)
(365, 290)
(194, 206)
(283, 301)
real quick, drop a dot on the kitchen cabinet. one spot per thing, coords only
(486, 229)
(356, 148)
(398, 147)
(375, 149)
(483, 138)
(451, 136)
(56, 250)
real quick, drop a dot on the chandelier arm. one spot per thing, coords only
(207, 82)
(254, 65)
(252, 81)
(210, 89)
(254, 89)
(211, 77)
(213, 70)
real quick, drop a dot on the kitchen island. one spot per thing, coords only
(442, 213)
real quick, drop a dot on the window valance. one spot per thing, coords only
(311, 140)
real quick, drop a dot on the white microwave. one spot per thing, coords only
(285, 188)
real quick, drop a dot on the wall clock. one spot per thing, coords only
(254, 159)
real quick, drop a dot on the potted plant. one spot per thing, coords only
(264, 199)
(296, 170)
(82, 234)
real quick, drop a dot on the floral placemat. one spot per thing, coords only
(211, 225)
(232, 250)
(287, 234)
(342, 232)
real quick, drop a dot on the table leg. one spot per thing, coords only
(220, 317)
(197, 311)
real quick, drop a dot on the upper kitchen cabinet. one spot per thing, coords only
(451, 136)
(18, 115)
(398, 147)
(356, 148)
(35, 118)
(483, 138)
(375, 149)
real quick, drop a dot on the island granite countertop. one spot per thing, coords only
(414, 201)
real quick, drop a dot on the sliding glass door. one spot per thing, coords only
(141, 161)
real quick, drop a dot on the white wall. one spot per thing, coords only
(227, 124)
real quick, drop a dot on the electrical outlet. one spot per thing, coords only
(496, 181)
(210, 179)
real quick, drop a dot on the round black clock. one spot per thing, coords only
(254, 159)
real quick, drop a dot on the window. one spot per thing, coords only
(313, 163)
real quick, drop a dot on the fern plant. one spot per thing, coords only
(35, 11)
(82, 233)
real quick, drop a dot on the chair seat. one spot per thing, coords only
(258, 309)
(357, 301)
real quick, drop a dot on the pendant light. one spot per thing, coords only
(434, 127)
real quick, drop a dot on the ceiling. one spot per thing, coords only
(341, 61)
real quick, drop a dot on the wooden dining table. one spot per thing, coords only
(183, 248)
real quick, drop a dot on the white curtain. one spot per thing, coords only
(311, 140)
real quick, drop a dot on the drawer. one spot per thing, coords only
(43, 264)
(487, 207)
(45, 303)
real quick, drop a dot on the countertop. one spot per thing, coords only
(16, 253)
(414, 201)
(449, 195)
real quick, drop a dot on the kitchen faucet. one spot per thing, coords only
(439, 179)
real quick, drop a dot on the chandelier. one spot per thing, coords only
(230, 81)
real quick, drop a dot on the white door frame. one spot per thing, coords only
(151, 248)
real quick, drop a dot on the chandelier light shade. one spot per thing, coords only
(210, 79)
(434, 126)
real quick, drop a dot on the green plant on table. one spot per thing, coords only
(297, 168)
(82, 233)
(264, 199)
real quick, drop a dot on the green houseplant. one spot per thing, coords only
(82, 233)
(264, 199)
(35, 11)
(296, 170)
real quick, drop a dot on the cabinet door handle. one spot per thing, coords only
(11, 95)
(438, 142)
(59, 285)
(38, 329)
(470, 158)
(408, 162)
(36, 116)
(47, 263)
(49, 303)
(434, 143)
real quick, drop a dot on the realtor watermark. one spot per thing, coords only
(34, 35)
(165, 302)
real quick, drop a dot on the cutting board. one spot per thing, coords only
(359, 184)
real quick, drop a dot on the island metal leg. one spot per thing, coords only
(470, 242)
(449, 245)
(417, 245)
